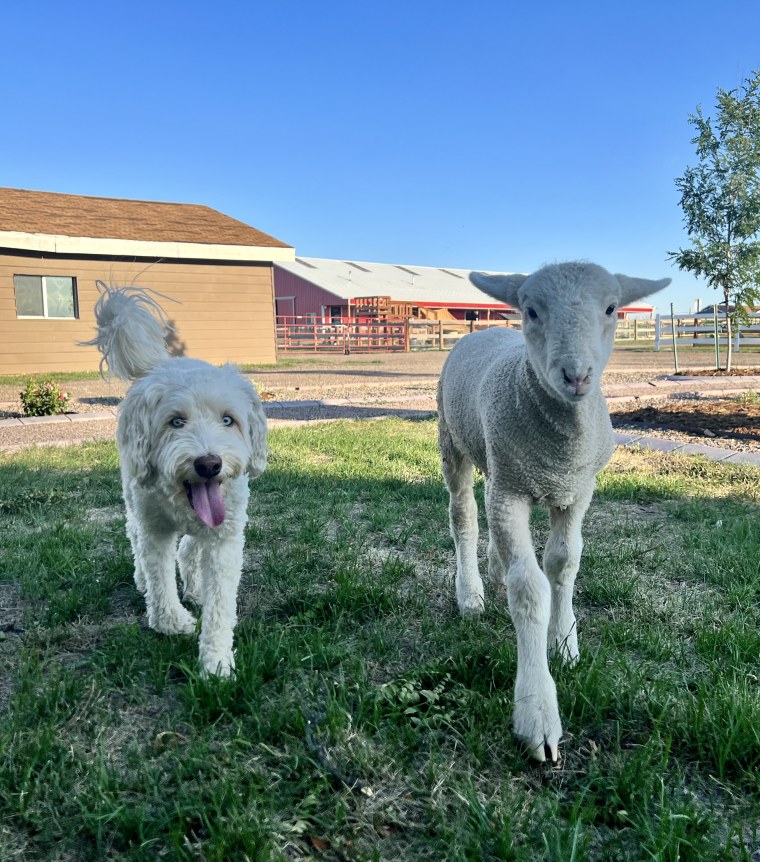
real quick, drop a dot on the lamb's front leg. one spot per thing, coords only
(536, 716)
(221, 563)
(157, 562)
(562, 558)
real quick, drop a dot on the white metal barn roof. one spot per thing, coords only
(420, 285)
(424, 285)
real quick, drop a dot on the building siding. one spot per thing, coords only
(309, 298)
(224, 313)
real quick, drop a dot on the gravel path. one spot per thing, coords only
(371, 386)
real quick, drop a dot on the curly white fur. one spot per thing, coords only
(528, 411)
(189, 435)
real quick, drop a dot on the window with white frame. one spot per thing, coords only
(46, 296)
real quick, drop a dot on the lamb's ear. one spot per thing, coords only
(501, 287)
(257, 431)
(134, 436)
(637, 288)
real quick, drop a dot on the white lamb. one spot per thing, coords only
(528, 411)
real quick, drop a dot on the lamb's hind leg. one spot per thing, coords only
(536, 715)
(497, 569)
(562, 557)
(463, 519)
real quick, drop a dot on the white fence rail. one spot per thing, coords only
(691, 331)
(635, 329)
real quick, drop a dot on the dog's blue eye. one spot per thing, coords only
(532, 314)
(177, 422)
(609, 311)
(228, 420)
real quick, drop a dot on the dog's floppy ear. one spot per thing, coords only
(257, 431)
(133, 435)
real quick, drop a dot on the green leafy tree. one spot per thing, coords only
(720, 198)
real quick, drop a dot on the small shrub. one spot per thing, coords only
(43, 397)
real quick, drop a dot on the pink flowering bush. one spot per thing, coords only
(43, 397)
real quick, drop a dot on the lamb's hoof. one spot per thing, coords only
(471, 605)
(179, 622)
(542, 749)
(217, 665)
(547, 751)
(566, 647)
(567, 652)
(537, 723)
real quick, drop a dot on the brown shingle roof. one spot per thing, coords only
(55, 214)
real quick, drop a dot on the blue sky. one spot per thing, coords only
(479, 134)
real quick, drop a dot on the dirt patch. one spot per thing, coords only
(719, 420)
(713, 372)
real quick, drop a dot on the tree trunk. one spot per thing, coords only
(729, 352)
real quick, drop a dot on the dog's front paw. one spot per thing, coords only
(177, 621)
(536, 717)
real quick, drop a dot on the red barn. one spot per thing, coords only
(330, 291)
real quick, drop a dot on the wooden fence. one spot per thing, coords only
(304, 334)
(301, 334)
(691, 331)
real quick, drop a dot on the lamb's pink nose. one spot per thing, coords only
(580, 383)
(208, 466)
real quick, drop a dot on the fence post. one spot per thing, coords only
(407, 336)
(440, 335)
(657, 332)
(635, 330)
(675, 346)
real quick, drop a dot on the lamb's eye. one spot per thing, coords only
(609, 311)
(532, 314)
(178, 422)
(227, 420)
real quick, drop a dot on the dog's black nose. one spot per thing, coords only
(208, 466)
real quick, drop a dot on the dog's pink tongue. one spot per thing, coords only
(208, 502)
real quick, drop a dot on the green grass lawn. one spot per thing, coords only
(354, 668)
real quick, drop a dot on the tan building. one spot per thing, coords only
(55, 247)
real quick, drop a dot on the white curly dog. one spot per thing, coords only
(189, 436)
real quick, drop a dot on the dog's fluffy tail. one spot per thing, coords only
(131, 331)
